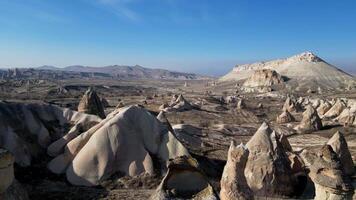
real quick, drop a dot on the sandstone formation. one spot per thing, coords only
(347, 117)
(325, 170)
(285, 117)
(233, 181)
(316, 103)
(310, 121)
(306, 68)
(267, 167)
(179, 104)
(91, 104)
(27, 129)
(10, 189)
(263, 77)
(123, 142)
(184, 180)
(335, 110)
(6, 170)
(323, 108)
(290, 105)
(339, 146)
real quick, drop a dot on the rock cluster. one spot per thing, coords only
(290, 105)
(123, 142)
(32, 128)
(335, 110)
(323, 107)
(91, 104)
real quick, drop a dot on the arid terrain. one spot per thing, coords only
(204, 116)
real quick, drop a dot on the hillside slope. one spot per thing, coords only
(305, 68)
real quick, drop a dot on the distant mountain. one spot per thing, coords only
(128, 72)
(305, 69)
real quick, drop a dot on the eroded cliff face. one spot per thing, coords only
(263, 77)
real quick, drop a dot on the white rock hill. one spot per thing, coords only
(302, 67)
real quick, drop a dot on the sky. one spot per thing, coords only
(200, 36)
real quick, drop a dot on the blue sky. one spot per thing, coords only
(204, 36)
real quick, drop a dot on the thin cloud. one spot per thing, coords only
(121, 8)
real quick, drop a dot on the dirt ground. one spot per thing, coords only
(208, 145)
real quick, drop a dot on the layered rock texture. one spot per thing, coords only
(91, 104)
(263, 77)
(184, 180)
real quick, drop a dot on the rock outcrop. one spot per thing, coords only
(233, 181)
(179, 104)
(184, 180)
(325, 170)
(285, 117)
(339, 146)
(347, 117)
(268, 171)
(290, 105)
(335, 110)
(10, 189)
(306, 69)
(323, 108)
(263, 77)
(91, 104)
(310, 121)
(6, 170)
(123, 142)
(27, 130)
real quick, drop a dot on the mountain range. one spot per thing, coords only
(112, 71)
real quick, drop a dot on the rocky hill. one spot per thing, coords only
(305, 69)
